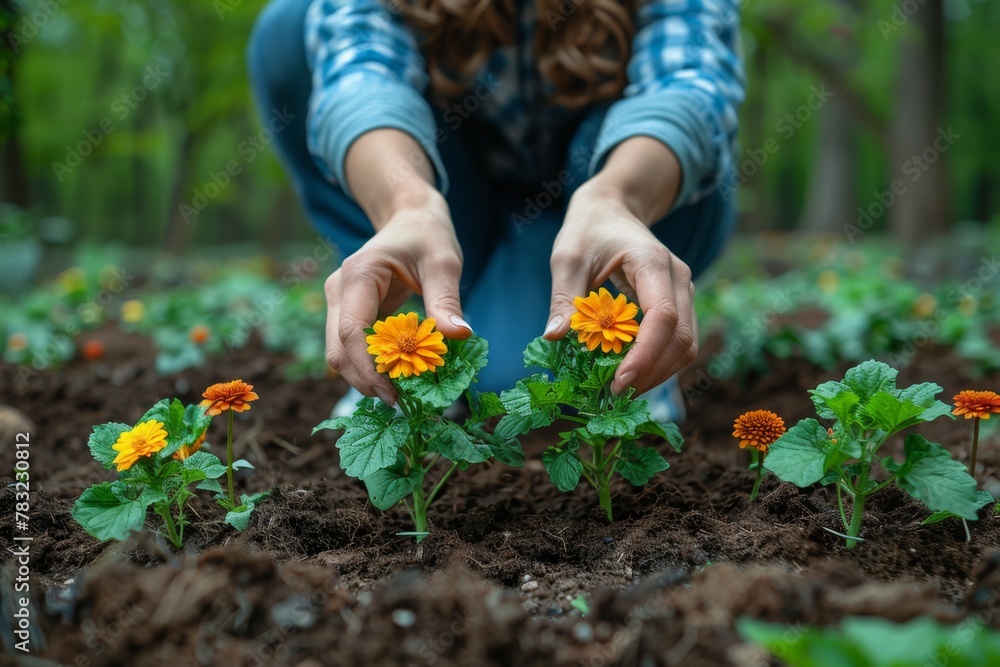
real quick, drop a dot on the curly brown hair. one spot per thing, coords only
(582, 47)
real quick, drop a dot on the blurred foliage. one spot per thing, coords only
(157, 91)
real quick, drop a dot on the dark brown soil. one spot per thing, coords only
(320, 578)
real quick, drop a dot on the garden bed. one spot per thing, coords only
(320, 577)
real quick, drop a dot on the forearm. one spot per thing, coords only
(641, 173)
(387, 172)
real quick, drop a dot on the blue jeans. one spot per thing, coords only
(506, 231)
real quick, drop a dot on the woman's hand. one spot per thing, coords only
(413, 250)
(601, 238)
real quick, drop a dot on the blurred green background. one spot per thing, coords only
(160, 88)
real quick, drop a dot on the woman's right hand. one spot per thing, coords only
(415, 250)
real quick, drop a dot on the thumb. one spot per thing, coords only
(440, 291)
(567, 284)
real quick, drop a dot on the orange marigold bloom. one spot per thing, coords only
(235, 396)
(976, 404)
(185, 452)
(758, 429)
(601, 319)
(145, 439)
(17, 342)
(93, 350)
(402, 345)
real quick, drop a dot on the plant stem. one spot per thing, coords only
(168, 521)
(229, 462)
(759, 460)
(603, 483)
(419, 511)
(840, 504)
(975, 447)
(859, 504)
(437, 487)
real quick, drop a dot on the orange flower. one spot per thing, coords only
(185, 452)
(601, 319)
(758, 429)
(145, 439)
(93, 350)
(402, 345)
(17, 342)
(976, 404)
(199, 334)
(235, 396)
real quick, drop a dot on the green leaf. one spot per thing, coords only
(487, 406)
(546, 394)
(930, 475)
(602, 371)
(211, 485)
(450, 441)
(564, 466)
(512, 426)
(389, 486)
(834, 400)
(206, 462)
(889, 413)
(242, 464)
(622, 418)
(517, 401)
(869, 378)
(542, 353)
(196, 421)
(985, 498)
(239, 518)
(171, 414)
(669, 431)
(106, 513)
(507, 452)
(372, 436)
(799, 455)
(103, 439)
(924, 395)
(874, 642)
(440, 389)
(639, 464)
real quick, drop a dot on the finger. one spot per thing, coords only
(682, 348)
(570, 279)
(656, 280)
(439, 277)
(360, 298)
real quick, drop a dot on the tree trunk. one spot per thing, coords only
(917, 199)
(830, 197)
(182, 212)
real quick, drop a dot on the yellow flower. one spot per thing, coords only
(924, 306)
(758, 429)
(979, 404)
(72, 280)
(185, 452)
(235, 396)
(145, 439)
(133, 311)
(402, 345)
(601, 319)
(828, 281)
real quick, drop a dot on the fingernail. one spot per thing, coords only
(459, 322)
(385, 398)
(554, 325)
(625, 379)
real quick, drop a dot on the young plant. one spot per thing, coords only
(606, 440)
(758, 430)
(232, 397)
(157, 461)
(867, 409)
(394, 452)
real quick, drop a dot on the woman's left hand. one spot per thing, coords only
(602, 238)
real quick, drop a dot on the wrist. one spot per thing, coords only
(414, 194)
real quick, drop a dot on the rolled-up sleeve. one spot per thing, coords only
(367, 74)
(685, 83)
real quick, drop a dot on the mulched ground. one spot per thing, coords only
(320, 578)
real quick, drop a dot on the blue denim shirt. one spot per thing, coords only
(685, 82)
